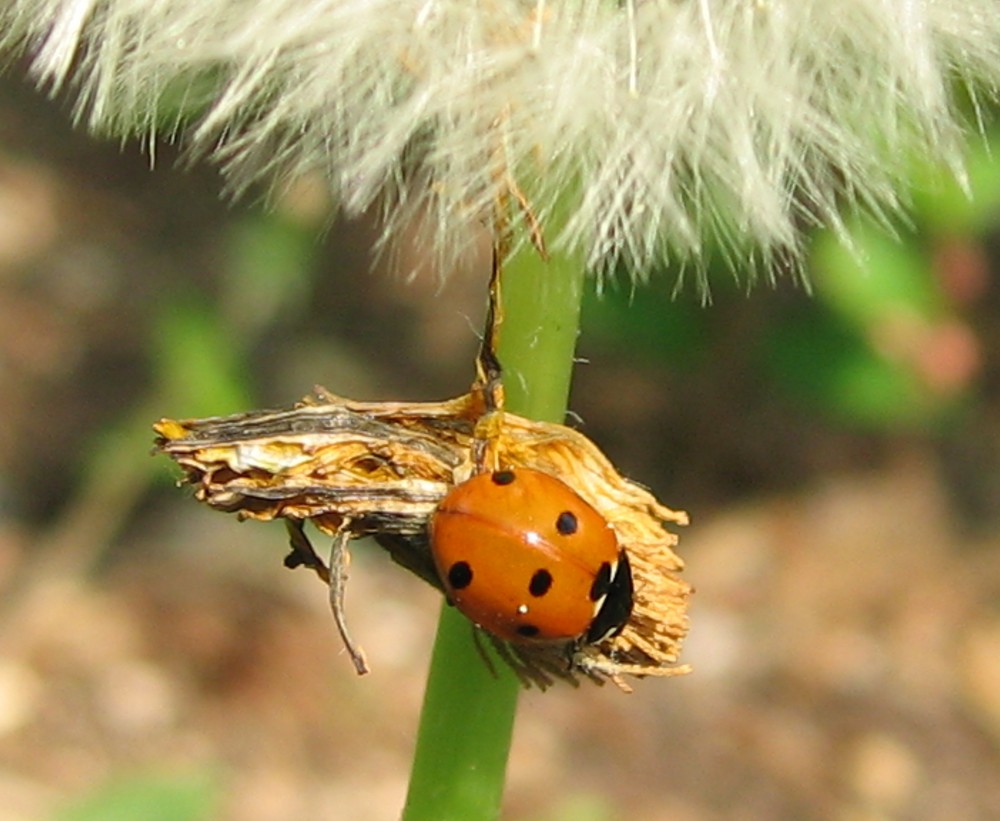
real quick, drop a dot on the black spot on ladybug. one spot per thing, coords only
(602, 581)
(616, 609)
(459, 575)
(529, 631)
(503, 477)
(540, 583)
(567, 523)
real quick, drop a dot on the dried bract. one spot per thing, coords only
(381, 469)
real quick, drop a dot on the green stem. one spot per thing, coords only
(463, 742)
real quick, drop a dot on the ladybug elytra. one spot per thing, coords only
(525, 557)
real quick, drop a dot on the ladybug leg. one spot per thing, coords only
(572, 654)
(340, 558)
(477, 640)
(303, 554)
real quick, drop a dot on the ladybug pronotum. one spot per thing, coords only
(526, 558)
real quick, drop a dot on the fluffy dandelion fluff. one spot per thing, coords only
(651, 127)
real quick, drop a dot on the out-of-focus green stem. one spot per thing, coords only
(463, 742)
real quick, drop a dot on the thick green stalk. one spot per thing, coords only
(463, 742)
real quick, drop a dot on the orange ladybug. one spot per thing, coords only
(524, 557)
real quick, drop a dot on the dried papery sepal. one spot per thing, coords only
(373, 468)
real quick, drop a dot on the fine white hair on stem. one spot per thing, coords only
(651, 127)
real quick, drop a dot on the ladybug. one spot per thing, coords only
(523, 556)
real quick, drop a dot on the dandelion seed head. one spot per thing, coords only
(654, 128)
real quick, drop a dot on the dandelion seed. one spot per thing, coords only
(657, 125)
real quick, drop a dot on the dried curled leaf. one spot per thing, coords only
(369, 468)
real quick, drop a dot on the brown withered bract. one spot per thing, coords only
(381, 468)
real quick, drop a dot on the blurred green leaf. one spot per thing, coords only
(582, 807)
(645, 324)
(819, 359)
(878, 278)
(269, 270)
(147, 798)
(199, 363)
(944, 206)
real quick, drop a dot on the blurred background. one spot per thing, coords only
(839, 453)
